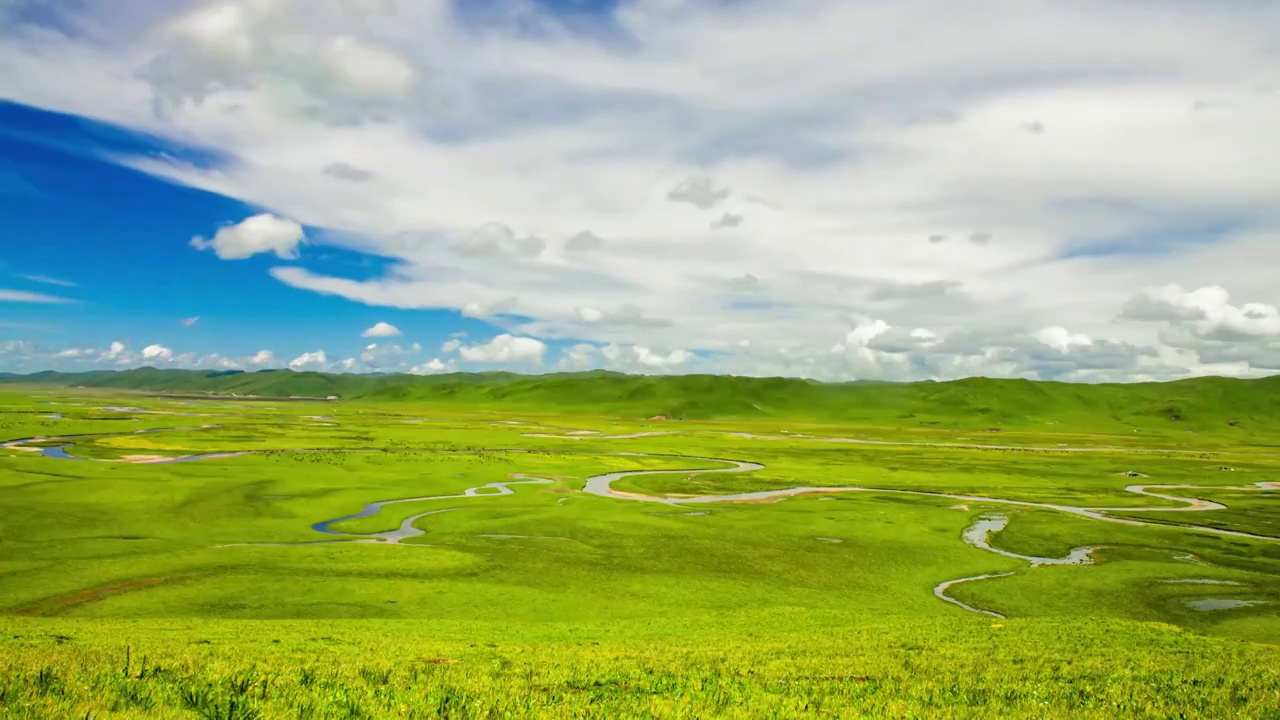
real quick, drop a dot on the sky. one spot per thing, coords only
(835, 189)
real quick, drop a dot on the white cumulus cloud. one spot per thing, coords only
(316, 360)
(156, 352)
(432, 367)
(505, 349)
(264, 233)
(381, 330)
(262, 358)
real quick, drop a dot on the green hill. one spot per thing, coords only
(1198, 403)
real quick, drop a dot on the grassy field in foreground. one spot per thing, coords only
(550, 602)
(955, 668)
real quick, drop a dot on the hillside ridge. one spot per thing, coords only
(1194, 403)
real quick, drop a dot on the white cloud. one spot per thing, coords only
(262, 358)
(450, 345)
(46, 280)
(188, 322)
(117, 356)
(582, 356)
(627, 315)
(901, 162)
(116, 353)
(651, 359)
(1060, 339)
(699, 192)
(386, 357)
(623, 358)
(495, 240)
(346, 171)
(157, 352)
(1206, 324)
(489, 309)
(258, 234)
(316, 361)
(726, 220)
(585, 241)
(16, 348)
(590, 314)
(31, 297)
(381, 330)
(1207, 312)
(432, 366)
(505, 349)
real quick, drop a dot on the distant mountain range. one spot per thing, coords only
(1194, 404)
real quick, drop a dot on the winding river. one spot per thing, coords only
(977, 535)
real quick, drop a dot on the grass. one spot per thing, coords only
(1244, 409)
(554, 603)
(934, 669)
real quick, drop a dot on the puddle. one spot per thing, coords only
(1219, 604)
(58, 452)
(595, 435)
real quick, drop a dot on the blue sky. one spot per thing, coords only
(828, 189)
(116, 241)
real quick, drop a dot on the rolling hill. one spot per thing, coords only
(1209, 402)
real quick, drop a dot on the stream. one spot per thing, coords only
(977, 534)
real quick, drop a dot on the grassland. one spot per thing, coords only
(193, 589)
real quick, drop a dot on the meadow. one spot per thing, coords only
(135, 586)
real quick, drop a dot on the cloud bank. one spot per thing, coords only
(903, 191)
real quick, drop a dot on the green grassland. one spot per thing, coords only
(1250, 407)
(193, 590)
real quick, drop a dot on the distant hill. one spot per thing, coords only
(1210, 402)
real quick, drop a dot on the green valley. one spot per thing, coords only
(600, 545)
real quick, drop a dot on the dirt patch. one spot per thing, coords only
(54, 604)
(624, 493)
(144, 458)
(760, 501)
(825, 494)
